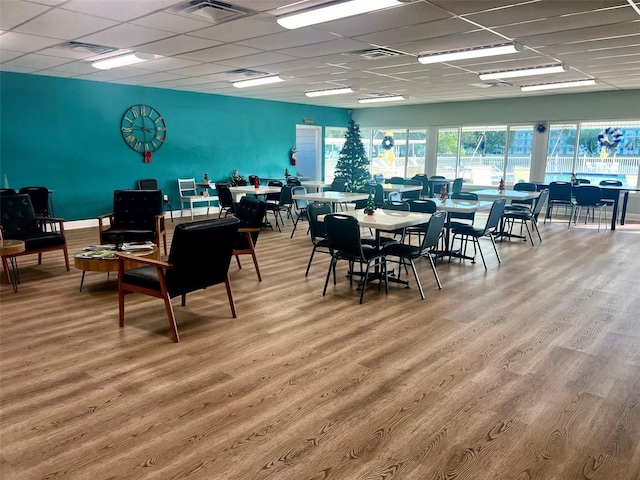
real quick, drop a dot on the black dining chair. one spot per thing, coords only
(560, 195)
(343, 235)
(152, 184)
(411, 252)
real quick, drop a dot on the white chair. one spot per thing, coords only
(189, 194)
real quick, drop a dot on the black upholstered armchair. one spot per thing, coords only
(199, 258)
(137, 217)
(250, 212)
(19, 222)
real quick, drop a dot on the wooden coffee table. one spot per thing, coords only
(8, 250)
(102, 258)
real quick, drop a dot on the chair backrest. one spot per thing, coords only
(360, 204)
(497, 210)
(293, 181)
(457, 185)
(187, 187)
(318, 229)
(469, 197)
(274, 197)
(136, 209)
(525, 187)
(39, 199)
(422, 206)
(583, 181)
(7, 191)
(338, 185)
(396, 181)
(225, 199)
(200, 254)
(393, 205)
(250, 212)
(17, 216)
(437, 186)
(587, 194)
(425, 182)
(343, 234)
(394, 197)
(560, 191)
(436, 224)
(253, 178)
(611, 183)
(412, 193)
(285, 195)
(378, 178)
(300, 203)
(147, 184)
(542, 198)
(378, 192)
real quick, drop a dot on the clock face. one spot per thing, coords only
(143, 128)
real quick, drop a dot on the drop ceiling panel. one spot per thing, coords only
(250, 61)
(33, 60)
(326, 48)
(177, 45)
(289, 39)
(126, 35)
(121, 10)
(64, 25)
(221, 52)
(171, 22)
(22, 42)
(241, 29)
(15, 13)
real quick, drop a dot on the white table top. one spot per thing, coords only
(493, 193)
(388, 219)
(249, 190)
(461, 206)
(332, 197)
(315, 183)
(401, 188)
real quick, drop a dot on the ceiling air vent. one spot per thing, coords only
(87, 47)
(245, 72)
(209, 10)
(492, 84)
(375, 53)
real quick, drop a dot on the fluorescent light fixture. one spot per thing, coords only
(550, 86)
(488, 51)
(393, 98)
(333, 91)
(525, 72)
(334, 12)
(258, 81)
(634, 6)
(122, 60)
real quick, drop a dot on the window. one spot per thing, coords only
(390, 162)
(577, 148)
(333, 143)
(447, 159)
(519, 154)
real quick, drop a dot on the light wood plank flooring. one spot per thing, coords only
(529, 370)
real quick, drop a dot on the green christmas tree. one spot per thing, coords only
(371, 205)
(353, 164)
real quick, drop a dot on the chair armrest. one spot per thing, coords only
(44, 220)
(101, 221)
(248, 229)
(160, 222)
(148, 261)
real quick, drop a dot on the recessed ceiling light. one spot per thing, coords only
(334, 12)
(479, 52)
(257, 81)
(333, 91)
(391, 98)
(524, 72)
(550, 86)
(122, 60)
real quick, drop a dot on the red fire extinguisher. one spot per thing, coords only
(293, 156)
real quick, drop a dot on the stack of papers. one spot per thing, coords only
(99, 251)
(138, 246)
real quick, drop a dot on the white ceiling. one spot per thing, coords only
(597, 39)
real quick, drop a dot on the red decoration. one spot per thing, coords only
(147, 157)
(443, 192)
(256, 183)
(501, 186)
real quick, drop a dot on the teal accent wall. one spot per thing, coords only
(65, 134)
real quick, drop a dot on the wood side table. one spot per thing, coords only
(99, 260)
(8, 251)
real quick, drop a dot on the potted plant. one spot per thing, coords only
(237, 180)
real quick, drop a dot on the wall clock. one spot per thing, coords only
(143, 129)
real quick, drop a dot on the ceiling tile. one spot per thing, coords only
(126, 35)
(15, 13)
(65, 25)
(121, 10)
(177, 45)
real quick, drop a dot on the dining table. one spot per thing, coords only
(316, 185)
(386, 220)
(625, 190)
(238, 192)
(331, 197)
(400, 188)
(494, 193)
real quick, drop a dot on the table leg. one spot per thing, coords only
(624, 208)
(614, 213)
(14, 275)
(82, 279)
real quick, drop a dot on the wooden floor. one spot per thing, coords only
(529, 370)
